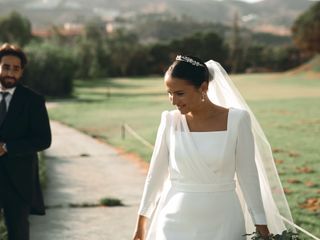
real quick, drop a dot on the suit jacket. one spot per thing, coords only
(26, 131)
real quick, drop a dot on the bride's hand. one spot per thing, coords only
(263, 231)
(139, 234)
(141, 228)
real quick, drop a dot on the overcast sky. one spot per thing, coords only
(251, 1)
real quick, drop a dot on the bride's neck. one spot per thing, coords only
(208, 109)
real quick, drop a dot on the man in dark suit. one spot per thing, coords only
(24, 130)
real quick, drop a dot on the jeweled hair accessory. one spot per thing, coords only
(189, 60)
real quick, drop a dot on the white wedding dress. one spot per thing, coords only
(190, 191)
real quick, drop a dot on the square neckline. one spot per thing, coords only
(186, 126)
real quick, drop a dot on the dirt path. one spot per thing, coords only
(80, 169)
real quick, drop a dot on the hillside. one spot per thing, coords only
(312, 66)
(268, 15)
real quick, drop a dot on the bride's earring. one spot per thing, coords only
(203, 96)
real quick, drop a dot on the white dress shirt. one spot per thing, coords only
(9, 96)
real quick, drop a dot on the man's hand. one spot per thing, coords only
(2, 150)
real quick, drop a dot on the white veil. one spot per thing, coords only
(223, 92)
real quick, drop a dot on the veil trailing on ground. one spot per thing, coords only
(223, 92)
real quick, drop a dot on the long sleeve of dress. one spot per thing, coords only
(158, 171)
(246, 170)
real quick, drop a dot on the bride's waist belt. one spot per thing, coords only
(202, 187)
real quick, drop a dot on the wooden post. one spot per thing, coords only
(123, 131)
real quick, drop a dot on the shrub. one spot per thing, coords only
(50, 69)
(285, 235)
(111, 202)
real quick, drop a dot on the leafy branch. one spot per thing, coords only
(285, 235)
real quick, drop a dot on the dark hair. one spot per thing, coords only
(11, 50)
(191, 69)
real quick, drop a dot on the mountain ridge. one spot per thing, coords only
(277, 14)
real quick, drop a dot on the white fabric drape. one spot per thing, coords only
(223, 92)
(183, 178)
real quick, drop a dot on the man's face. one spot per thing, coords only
(10, 71)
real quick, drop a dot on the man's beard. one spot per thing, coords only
(8, 82)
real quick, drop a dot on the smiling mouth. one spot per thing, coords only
(10, 79)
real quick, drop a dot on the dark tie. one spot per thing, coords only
(3, 106)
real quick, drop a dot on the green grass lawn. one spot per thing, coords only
(287, 106)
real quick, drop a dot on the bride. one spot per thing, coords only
(211, 175)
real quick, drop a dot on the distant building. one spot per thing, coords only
(68, 30)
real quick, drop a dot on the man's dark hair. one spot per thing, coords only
(11, 50)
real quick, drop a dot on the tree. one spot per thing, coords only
(235, 45)
(93, 59)
(139, 62)
(306, 30)
(91, 52)
(14, 28)
(50, 69)
(206, 45)
(95, 30)
(122, 45)
(213, 47)
(160, 57)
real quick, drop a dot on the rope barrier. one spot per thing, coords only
(299, 228)
(136, 135)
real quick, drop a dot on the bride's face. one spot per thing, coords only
(183, 94)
